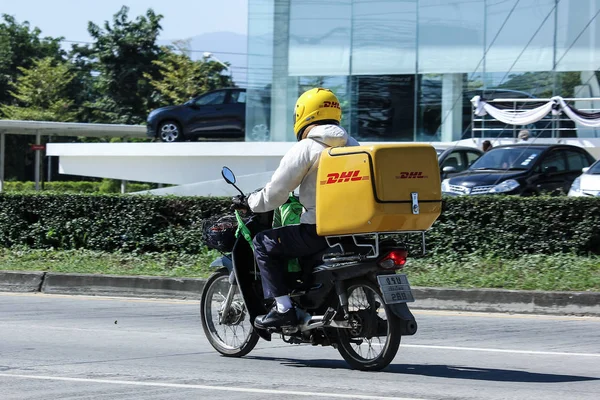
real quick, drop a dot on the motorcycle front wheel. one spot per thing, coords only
(231, 335)
(373, 341)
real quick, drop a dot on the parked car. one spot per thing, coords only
(521, 169)
(455, 159)
(588, 183)
(219, 114)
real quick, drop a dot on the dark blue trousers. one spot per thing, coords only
(273, 249)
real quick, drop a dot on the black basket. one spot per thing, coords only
(218, 233)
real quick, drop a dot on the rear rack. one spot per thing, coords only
(373, 247)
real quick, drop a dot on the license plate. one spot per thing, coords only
(395, 289)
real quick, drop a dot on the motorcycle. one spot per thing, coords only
(349, 296)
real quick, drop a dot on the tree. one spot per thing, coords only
(541, 84)
(121, 54)
(19, 47)
(42, 93)
(181, 78)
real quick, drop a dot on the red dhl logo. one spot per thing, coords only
(332, 104)
(411, 175)
(346, 176)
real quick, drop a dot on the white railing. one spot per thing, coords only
(552, 126)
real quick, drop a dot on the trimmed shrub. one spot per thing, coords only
(510, 226)
(106, 222)
(105, 186)
(503, 226)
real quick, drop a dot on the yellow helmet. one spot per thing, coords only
(314, 105)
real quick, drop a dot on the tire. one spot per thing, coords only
(371, 354)
(170, 131)
(224, 337)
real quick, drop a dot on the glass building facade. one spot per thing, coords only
(405, 70)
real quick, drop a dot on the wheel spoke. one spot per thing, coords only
(366, 306)
(235, 332)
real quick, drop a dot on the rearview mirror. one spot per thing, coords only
(551, 169)
(449, 170)
(228, 175)
(584, 170)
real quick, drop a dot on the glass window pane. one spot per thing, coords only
(554, 162)
(576, 161)
(519, 35)
(319, 37)
(383, 107)
(238, 96)
(450, 35)
(471, 157)
(577, 42)
(212, 98)
(384, 35)
(454, 160)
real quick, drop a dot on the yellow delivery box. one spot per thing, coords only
(379, 188)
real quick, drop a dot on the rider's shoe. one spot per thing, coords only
(275, 319)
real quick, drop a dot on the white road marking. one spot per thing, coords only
(204, 387)
(544, 353)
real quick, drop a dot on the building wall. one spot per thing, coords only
(405, 70)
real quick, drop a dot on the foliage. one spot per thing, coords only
(105, 222)
(20, 46)
(510, 226)
(106, 186)
(542, 84)
(181, 78)
(486, 226)
(122, 53)
(41, 93)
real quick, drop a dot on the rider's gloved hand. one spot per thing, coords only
(240, 203)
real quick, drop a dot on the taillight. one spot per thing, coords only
(395, 259)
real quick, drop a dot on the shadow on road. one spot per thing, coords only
(442, 371)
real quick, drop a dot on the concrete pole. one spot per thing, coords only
(452, 107)
(2, 160)
(49, 158)
(123, 186)
(38, 141)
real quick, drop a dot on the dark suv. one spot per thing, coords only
(219, 114)
(522, 169)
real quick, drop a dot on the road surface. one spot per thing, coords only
(67, 347)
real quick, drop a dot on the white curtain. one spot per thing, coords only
(511, 117)
(589, 122)
(516, 117)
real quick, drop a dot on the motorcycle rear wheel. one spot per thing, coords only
(231, 335)
(369, 314)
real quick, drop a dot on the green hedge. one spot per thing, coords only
(105, 222)
(105, 186)
(508, 227)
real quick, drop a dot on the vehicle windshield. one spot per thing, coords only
(508, 158)
(595, 169)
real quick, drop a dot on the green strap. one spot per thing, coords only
(243, 229)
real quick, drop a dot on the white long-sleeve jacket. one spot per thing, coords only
(298, 167)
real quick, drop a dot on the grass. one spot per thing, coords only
(533, 272)
(97, 262)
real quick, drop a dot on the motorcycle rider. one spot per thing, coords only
(317, 116)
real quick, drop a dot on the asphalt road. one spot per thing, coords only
(62, 347)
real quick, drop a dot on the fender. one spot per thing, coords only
(408, 324)
(223, 261)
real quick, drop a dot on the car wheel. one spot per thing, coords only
(169, 131)
(260, 133)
